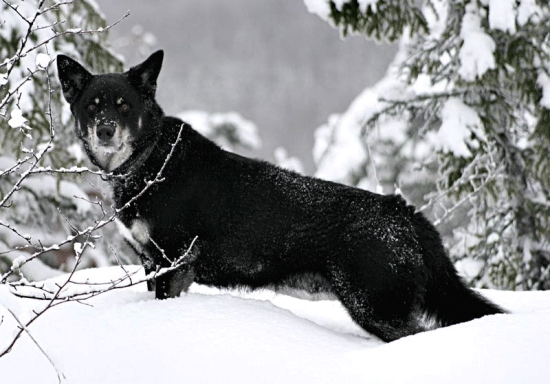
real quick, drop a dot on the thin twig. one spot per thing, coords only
(60, 375)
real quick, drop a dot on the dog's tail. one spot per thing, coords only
(447, 298)
(451, 302)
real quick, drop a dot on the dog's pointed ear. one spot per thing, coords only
(145, 75)
(72, 76)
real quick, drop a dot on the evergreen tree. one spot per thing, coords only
(472, 84)
(47, 193)
(39, 208)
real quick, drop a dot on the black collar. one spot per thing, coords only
(136, 160)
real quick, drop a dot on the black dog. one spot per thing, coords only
(258, 225)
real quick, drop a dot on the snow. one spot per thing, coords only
(209, 336)
(230, 130)
(457, 122)
(77, 248)
(476, 53)
(528, 10)
(338, 145)
(339, 4)
(48, 186)
(436, 16)
(502, 15)
(42, 60)
(76, 152)
(365, 4)
(284, 160)
(16, 264)
(544, 81)
(17, 119)
(320, 8)
(340, 149)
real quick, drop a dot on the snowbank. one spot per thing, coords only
(209, 336)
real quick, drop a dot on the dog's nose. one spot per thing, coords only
(105, 132)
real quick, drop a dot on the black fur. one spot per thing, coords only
(258, 225)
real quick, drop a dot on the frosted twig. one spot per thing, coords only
(33, 158)
(14, 91)
(56, 297)
(465, 178)
(25, 237)
(371, 159)
(394, 106)
(100, 224)
(158, 178)
(60, 375)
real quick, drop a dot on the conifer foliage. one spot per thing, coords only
(472, 84)
(39, 177)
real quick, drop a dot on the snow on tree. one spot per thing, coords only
(50, 201)
(233, 132)
(230, 130)
(468, 95)
(44, 190)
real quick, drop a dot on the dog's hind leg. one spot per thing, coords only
(382, 307)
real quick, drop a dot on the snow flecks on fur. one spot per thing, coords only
(116, 153)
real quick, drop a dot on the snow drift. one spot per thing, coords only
(209, 336)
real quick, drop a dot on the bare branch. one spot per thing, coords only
(25, 237)
(57, 296)
(60, 375)
(158, 178)
(103, 222)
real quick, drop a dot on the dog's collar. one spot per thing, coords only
(133, 163)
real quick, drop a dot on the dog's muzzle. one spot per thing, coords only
(105, 133)
(110, 144)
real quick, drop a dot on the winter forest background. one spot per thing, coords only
(458, 120)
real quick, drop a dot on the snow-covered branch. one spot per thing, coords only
(467, 101)
(37, 163)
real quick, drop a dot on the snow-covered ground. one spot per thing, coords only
(208, 336)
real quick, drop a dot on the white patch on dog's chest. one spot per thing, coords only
(137, 235)
(140, 231)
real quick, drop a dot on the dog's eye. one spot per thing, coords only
(92, 107)
(124, 107)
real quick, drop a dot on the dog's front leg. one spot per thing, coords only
(151, 284)
(173, 283)
(178, 280)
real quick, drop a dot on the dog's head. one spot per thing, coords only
(114, 113)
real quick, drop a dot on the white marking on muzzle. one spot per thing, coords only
(115, 152)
